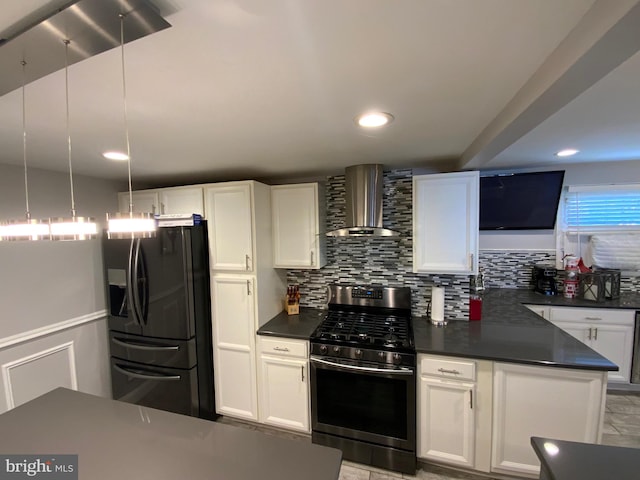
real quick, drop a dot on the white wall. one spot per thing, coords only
(579, 174)
(52, 293)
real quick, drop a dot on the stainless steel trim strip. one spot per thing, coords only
(161, 378)
(138, 346)
(394, 371)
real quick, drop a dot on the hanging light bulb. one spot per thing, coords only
(27, 229)
(74, 228)
(129, 225)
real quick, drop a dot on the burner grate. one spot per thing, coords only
(366, 329)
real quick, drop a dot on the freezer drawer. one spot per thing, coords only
(153, 351)
(169, 389)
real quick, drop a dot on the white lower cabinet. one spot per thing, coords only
(608, 331)
(284, 383)
(454, 411)
(528, 401)
(447, 421)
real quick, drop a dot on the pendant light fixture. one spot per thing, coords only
(74, 228)
(129, 225)
(27, 229)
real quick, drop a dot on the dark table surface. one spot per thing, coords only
(562, 460)
(117, 440)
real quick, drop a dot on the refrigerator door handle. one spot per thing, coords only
(141, 376)
(131, 284)
(135, 269)
(139, 346)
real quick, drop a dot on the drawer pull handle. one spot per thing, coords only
(281, 349)
(593, 318)
(595, 337)
(452, 372)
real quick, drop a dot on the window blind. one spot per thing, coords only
(610, 207)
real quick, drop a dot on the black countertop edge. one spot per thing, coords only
(299, 326)
(564, 460)
(611, 367)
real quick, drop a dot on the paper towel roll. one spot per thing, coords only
(437, 304)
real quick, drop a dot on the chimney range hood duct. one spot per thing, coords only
(363, 185)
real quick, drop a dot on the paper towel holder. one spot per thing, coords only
(435, 310)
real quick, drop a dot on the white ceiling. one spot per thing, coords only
(254, 89)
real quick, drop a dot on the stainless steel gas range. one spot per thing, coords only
(363, 377)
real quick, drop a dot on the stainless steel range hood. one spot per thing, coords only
(363, 184)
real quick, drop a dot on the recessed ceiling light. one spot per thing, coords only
(374, 119)
(115, 156)
(567, 152)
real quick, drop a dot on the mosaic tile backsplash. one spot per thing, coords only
(388, 260)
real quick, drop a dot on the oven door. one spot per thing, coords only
(366, 402)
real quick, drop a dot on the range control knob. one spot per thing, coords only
(358, 353)
(323, 349)
(381, 355)
(336, 350)
(397, 358)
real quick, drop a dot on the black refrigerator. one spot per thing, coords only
(159, 307)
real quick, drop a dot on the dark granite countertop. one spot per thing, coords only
(293, 326)
(562, 460)
(510, 332)
(115, 439)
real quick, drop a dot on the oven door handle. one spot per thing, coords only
(394, 371)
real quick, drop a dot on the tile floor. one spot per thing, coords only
(621, 428)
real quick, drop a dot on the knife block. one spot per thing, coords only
(291, 308)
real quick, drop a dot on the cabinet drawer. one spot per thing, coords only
(283, 347)
(592, 315)
(448, 368)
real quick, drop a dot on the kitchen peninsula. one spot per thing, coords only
(495, 383)
(120, 440)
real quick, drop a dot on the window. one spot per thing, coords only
(607, 207)
(601, 224)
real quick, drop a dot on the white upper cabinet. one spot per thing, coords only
(144, 201)
(181, 200)
(445, 223)
(298, 226)
(230, 215)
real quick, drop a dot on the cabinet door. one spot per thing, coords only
(544, 402)
(445, 223)
(284, 400)
(181, 200)
(234, 346)
(615, 343)
(143, 202)
(539, 310)
(296, 235)
(446, 421)
(229, 214)
(579, 330)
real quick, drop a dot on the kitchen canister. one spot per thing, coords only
(571, 271)
(437, 306)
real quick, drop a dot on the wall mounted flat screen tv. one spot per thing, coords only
(520, 201)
